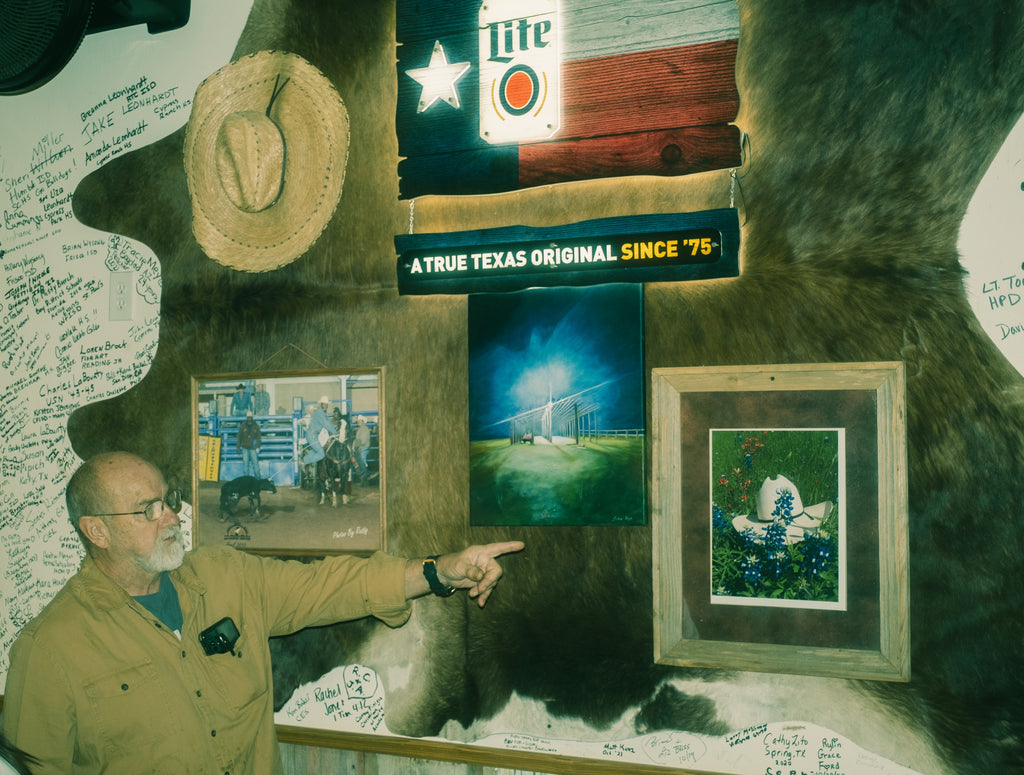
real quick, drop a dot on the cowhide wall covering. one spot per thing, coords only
(870, 125)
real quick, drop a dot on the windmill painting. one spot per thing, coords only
(556, 407)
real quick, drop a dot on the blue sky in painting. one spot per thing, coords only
(563, 340)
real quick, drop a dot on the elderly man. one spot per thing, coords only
(151, 659)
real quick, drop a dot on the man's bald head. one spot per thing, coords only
(91, 488)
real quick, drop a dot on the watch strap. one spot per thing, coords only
(430, 574)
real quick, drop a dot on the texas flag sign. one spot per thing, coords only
(502, 95)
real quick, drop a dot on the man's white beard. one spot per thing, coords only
(165, 556)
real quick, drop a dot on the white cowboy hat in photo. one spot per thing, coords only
(265, 152)
(804, 519)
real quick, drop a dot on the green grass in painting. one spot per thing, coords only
(599, 482)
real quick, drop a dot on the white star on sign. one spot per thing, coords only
(438, 79)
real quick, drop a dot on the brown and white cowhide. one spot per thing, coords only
(870, 125)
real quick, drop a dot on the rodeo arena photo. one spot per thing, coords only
(290, 463)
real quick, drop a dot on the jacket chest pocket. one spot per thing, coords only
(238, 675)
(128, 705)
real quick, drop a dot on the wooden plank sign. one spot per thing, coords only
(637, 249)
(508, 94)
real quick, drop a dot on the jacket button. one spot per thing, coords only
(124, 687)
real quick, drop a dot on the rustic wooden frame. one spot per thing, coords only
(673, 567)
(201, 516)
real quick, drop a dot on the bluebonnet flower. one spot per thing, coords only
(751, 570)
(817, 556)
(751, 540)
(784, 505)
(775, 534)
(718, 519)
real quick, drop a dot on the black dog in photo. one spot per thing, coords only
(243, 487)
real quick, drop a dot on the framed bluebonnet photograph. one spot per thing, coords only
(779, 519)
(556, 406)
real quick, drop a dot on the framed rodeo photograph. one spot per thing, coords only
(289, 463)
(779, 519)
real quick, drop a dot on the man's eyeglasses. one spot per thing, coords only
(154, 510)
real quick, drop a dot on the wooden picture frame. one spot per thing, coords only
(309, 495)
(866, 633)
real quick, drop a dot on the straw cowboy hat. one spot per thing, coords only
(265, 154)
(779, 498)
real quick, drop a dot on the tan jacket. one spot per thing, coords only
(97, 683)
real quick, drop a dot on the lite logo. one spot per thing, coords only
(520, 94)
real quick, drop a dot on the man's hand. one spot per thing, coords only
(474, 568)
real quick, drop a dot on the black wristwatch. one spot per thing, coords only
(430, 573)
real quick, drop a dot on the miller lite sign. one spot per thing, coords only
(500, 95)
(519, 68)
